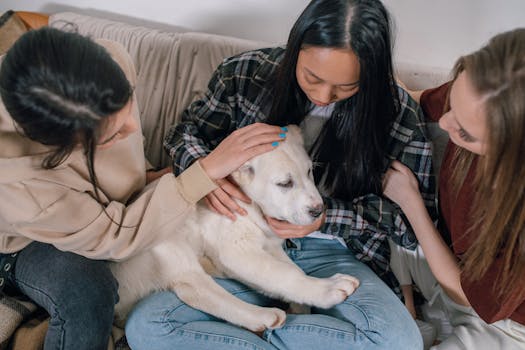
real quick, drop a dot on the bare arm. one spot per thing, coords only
(401, 187)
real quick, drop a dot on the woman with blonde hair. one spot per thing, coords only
(478, 254)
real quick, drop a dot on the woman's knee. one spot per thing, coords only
(397, 330)
(89, 304)
(148, 320)
(72, 288)
(381, 318)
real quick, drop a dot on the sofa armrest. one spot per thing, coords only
(33, 20)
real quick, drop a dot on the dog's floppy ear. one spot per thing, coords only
(244, 175)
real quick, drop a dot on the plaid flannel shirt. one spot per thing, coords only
(237, 95)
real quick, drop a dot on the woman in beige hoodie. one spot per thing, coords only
(73, 179)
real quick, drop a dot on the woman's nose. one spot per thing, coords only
(131, 125)
(444, 122)
(325, 94)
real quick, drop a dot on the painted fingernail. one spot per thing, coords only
(284, 128)
(275, 144)
(282, 135)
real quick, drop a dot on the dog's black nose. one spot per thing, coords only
(315, 211)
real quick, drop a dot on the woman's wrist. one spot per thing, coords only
(208, 169)
(413, 206)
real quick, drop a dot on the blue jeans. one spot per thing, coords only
(78, 293)
(371, 318)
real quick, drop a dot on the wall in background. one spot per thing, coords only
(427, 33)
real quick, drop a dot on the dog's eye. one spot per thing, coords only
(286, 184)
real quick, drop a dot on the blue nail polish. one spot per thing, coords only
(284, 128)
(282, 135)
(275, 144)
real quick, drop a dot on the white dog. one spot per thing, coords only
(280, 184)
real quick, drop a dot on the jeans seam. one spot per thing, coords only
(179, 328)
(332, 332)
(167, 312)
(306, 327)
(368, 326)
(243, 342)
(55, 308)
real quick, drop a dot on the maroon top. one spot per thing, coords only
(454, 228)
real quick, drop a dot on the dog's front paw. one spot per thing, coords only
(267, 317)
(339, 287)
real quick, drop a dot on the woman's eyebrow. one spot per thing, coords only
(316, 77)
(109, 138)
(465, 131)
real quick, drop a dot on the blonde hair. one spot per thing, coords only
(497, 72)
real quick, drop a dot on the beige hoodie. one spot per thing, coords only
(58, 207)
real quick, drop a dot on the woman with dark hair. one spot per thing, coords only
(335, 80)
(474, 265)
(73, 180)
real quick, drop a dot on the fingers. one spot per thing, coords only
(280, 228)
(288, 233)
(228, 201)
(218, 206)
(166, 170)
(258, 134)
(248, 154)
(234, 191)
(398, 166)
(395, 165)
(284, 229)
(221, 200)
(259, 128)
(209, 205)
(262, 139)
(280, 225)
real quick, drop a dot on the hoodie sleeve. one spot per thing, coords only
(74, 221)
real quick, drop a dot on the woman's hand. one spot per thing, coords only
(221, 200)
(236, 149)
(152, 175)
(400, 185)
(240, 146)
(284, 229)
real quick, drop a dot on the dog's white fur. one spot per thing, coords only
(280, 184)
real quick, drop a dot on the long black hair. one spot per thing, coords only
(351, 145)
(60, 87)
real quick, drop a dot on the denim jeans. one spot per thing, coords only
(78, 293)
(371, 318)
